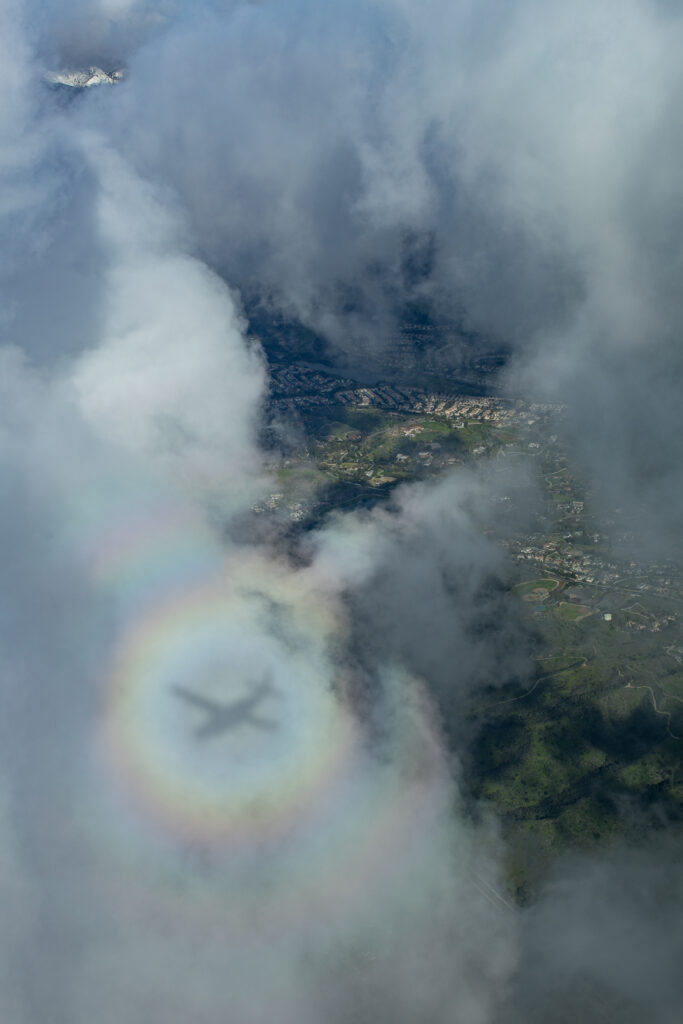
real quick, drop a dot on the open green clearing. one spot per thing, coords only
(579, 754)
(572, 612)
(529, 587)
(375, 448)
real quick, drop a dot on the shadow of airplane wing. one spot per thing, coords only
(211, 707)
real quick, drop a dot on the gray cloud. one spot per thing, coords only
(370, 896)
(94, 32)
(510, 167)
(335, 881)
(426, 588)
(605, 942)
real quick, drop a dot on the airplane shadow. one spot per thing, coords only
(221, 718)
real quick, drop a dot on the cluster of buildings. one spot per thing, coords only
(296, 510)
(604, 583)
(296, 388)
(583, 567)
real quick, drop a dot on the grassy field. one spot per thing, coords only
(572, 612)
(531, 585)
(581, 753)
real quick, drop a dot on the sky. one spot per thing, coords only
(509, 167)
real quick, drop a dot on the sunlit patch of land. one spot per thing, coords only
(587, 747)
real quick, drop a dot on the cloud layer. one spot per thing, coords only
(513, 169)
